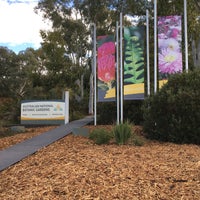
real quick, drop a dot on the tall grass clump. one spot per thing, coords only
(122, 133)
(100, 136)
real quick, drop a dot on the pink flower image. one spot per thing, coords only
(106, 68)
(174, 33)
(169, 26)
(170, 62)
(169, 45)
(106, 49)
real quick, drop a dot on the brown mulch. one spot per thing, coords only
(75, 168)
(30, 132)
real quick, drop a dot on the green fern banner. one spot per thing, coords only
(134, 62)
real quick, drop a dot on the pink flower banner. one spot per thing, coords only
(106, 68)
(169, 47)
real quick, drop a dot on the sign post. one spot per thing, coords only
(66, 107)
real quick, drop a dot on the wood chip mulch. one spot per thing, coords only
(74, 168)
(6, 142)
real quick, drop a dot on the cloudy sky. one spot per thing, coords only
(19, 25)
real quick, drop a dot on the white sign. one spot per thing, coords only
(43, 110)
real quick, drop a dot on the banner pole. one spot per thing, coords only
(121, 70)
(155, 46)
(95, 76)
(147, 46)
(117, 69)
(186, 36)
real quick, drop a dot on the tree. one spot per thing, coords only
(72, 21)
(8, 73)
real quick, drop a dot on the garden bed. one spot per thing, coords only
(76, 168)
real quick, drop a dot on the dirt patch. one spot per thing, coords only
(75, 168)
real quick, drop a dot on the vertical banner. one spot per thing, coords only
(134, 62)
(169, 47)
(106, 68)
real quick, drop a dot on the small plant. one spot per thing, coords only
(100, 136)
(122, 133)
(136, 140)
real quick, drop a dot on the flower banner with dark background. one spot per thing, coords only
(169, 47)
(134, 37)
(106, 68)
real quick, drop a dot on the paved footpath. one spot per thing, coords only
(21, 150)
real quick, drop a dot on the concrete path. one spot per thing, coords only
(21, 150)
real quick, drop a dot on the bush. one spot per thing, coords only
(122, 133)
(100, 136)
(136, 140)
(173, 114)
(8, 111)
(107, 112)
(133, 111)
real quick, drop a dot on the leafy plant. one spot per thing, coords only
(100, 136)
(136, 140)
(122, 133)
(173, 114)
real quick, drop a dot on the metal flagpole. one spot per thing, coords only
(186, 36)
(147, 46)
(155, 46)
(95, 76)
(117, 69)
(121, 70)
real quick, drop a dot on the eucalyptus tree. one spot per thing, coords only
(8, 73)
(32, 68)
(16, 78)
(66, 46)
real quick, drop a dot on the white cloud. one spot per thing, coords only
(19, 24)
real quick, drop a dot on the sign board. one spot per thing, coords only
(43, 112)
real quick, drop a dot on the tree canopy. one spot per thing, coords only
(64, 59)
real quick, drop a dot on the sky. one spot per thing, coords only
(19, 25)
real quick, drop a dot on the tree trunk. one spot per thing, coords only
(196, 53)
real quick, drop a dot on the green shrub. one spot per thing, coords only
(100, 136)
(107, 112)
(173, 114)
(136, 140)
(133, 111)
(122, 133)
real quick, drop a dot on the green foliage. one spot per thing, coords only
(122, 133)
(136, 140)
(64, 53)
(9, 76)
(6, 132)
(173, 114)
(133, 111)
(107, 112)
(100, 136)
(7, 111)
